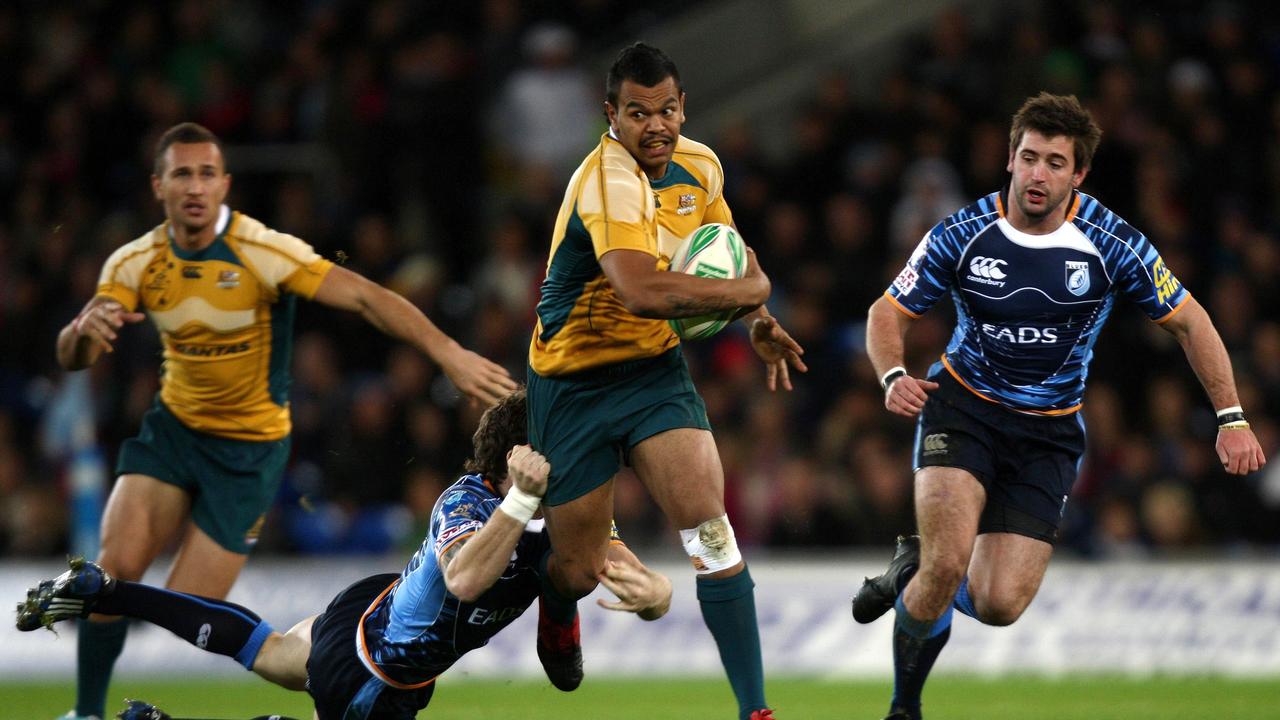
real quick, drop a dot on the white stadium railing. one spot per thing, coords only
(1130, 618)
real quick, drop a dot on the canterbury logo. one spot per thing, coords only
(987, 267)
(935, 444)
(202, 639)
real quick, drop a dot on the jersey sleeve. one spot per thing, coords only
(459, 515)
(718, 212)
(717, 207)
(928, 274)
(286, 263)
(1145, 279)
(616, 206)
(121, 275)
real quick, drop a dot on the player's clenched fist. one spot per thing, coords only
(99, 322)
(528, 470)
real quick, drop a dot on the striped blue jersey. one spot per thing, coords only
(1029, 308)
(417, 629)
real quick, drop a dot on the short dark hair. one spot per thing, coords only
(642, 64)
(502, 426)
(1053, 115)
(187, 133)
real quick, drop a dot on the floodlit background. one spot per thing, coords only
(427, 146)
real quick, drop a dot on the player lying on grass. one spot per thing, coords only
(378, 648)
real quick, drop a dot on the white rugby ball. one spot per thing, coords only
(715, 251)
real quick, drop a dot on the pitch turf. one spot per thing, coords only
(947, 698)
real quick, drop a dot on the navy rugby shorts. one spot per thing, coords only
(341, 686)
(1027, 463)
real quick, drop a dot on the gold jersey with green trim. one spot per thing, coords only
(611, 204)
(225, 316)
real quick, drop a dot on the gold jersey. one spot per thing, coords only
(225, 316)
(611, 204)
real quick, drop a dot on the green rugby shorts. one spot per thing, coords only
(232, 483)
(586, 423)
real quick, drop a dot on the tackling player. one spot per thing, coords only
(220, 287)
(607, 379)
(378, 648)
(1034, 271)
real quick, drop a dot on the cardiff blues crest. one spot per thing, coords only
(1077, 277)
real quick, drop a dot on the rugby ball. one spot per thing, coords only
(714, 251)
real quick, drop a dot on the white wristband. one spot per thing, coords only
(1229, 410)
(520, 504)
(894, 373)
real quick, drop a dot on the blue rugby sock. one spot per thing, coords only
(556, 606)
(963, 602)
(98, 644)
(916, 645)
(216, 626)
(729, 610)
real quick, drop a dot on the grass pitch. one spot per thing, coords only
(946, 698)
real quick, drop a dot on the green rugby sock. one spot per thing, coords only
(98, 644)
(729, 610)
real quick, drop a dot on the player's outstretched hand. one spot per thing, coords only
(528, 470)
(778, 350)
(642, 591)
(906, 395)
(1239, 451)
(477, 376)
(99, 322)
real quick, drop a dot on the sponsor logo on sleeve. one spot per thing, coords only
(1166, 284)
(456, 531)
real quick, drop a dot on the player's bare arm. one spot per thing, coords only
(648, 292)
(472, 566)
(887, 327)
(474, 375)
(93, 332)
(1237, 446)
(642, 591)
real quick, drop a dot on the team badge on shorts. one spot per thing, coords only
(1077, 277)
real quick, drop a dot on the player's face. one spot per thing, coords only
(647, 121)
(1044, 174)
(193, 185)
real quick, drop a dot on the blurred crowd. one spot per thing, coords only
(427, 145)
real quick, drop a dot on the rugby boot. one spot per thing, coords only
(560, 650)
(878, 594)
(901, 715)
(139, 710)
(765, 714)
(72, 594)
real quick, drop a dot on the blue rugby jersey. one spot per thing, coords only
(1029, 307)
(417, 629)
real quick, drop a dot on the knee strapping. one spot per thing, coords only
(711, 546)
